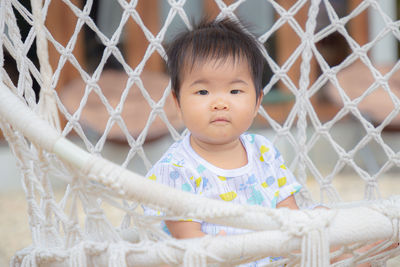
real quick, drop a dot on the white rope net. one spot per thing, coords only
(62, 237)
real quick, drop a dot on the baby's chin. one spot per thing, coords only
(218, 139)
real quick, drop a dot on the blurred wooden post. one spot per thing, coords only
(137, 43)
(61, 23)
(287, 41)
(358, 26)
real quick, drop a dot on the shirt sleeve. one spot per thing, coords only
(287, 182)
(280, 183)
(175, 176)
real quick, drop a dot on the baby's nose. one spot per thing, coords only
(220, 104)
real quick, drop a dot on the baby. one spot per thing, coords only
(216, 72)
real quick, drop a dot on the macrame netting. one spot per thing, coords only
(60, 237)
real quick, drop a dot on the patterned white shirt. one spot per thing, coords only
(264, 180)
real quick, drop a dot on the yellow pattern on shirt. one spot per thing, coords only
(228, 196)
(282, 181)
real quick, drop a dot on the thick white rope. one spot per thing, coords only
(13, 110)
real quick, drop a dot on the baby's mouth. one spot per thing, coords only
(220, 120)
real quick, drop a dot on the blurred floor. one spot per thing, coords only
(15, 234)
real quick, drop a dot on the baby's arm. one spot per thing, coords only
(289, 202)
(184, 229)
(187, 229)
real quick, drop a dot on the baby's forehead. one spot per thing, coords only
(193, 63)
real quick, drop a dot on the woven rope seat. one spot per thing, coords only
(74, 229)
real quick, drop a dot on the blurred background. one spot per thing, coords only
(131, 46)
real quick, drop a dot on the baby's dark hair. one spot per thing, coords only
(218, 39)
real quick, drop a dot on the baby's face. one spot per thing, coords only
(218, 100)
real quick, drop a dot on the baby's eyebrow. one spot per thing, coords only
(205, 81)
(200, 81)
(238, 81)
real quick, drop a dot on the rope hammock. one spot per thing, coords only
(301, 237)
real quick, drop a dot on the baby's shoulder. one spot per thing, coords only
(257, 140)
(174, 154)
(261, 145)
(175, 158)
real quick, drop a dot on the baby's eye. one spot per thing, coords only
(235, 91)
(202, 92)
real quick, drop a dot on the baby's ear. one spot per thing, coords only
(259, 99)
(258, 103)
(176, 100)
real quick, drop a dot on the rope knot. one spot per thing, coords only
(301, 224)
(393, 26)
(360, 51)
(323, 130)
(395, 159)
(287, 15)
(307, 227)
(372, 182)
(374, 133)
(345, 157)
(351, 106)
(156, 43)
(47, 93)
(111, 43)
(158, 108)
(325, 183)
(177, 5)
(338, 24)
(130, 8)
(381, 80)
(116, 114)
(92, 83)
(311, 226)
(226, 13)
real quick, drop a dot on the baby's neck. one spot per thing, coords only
(232, 155)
